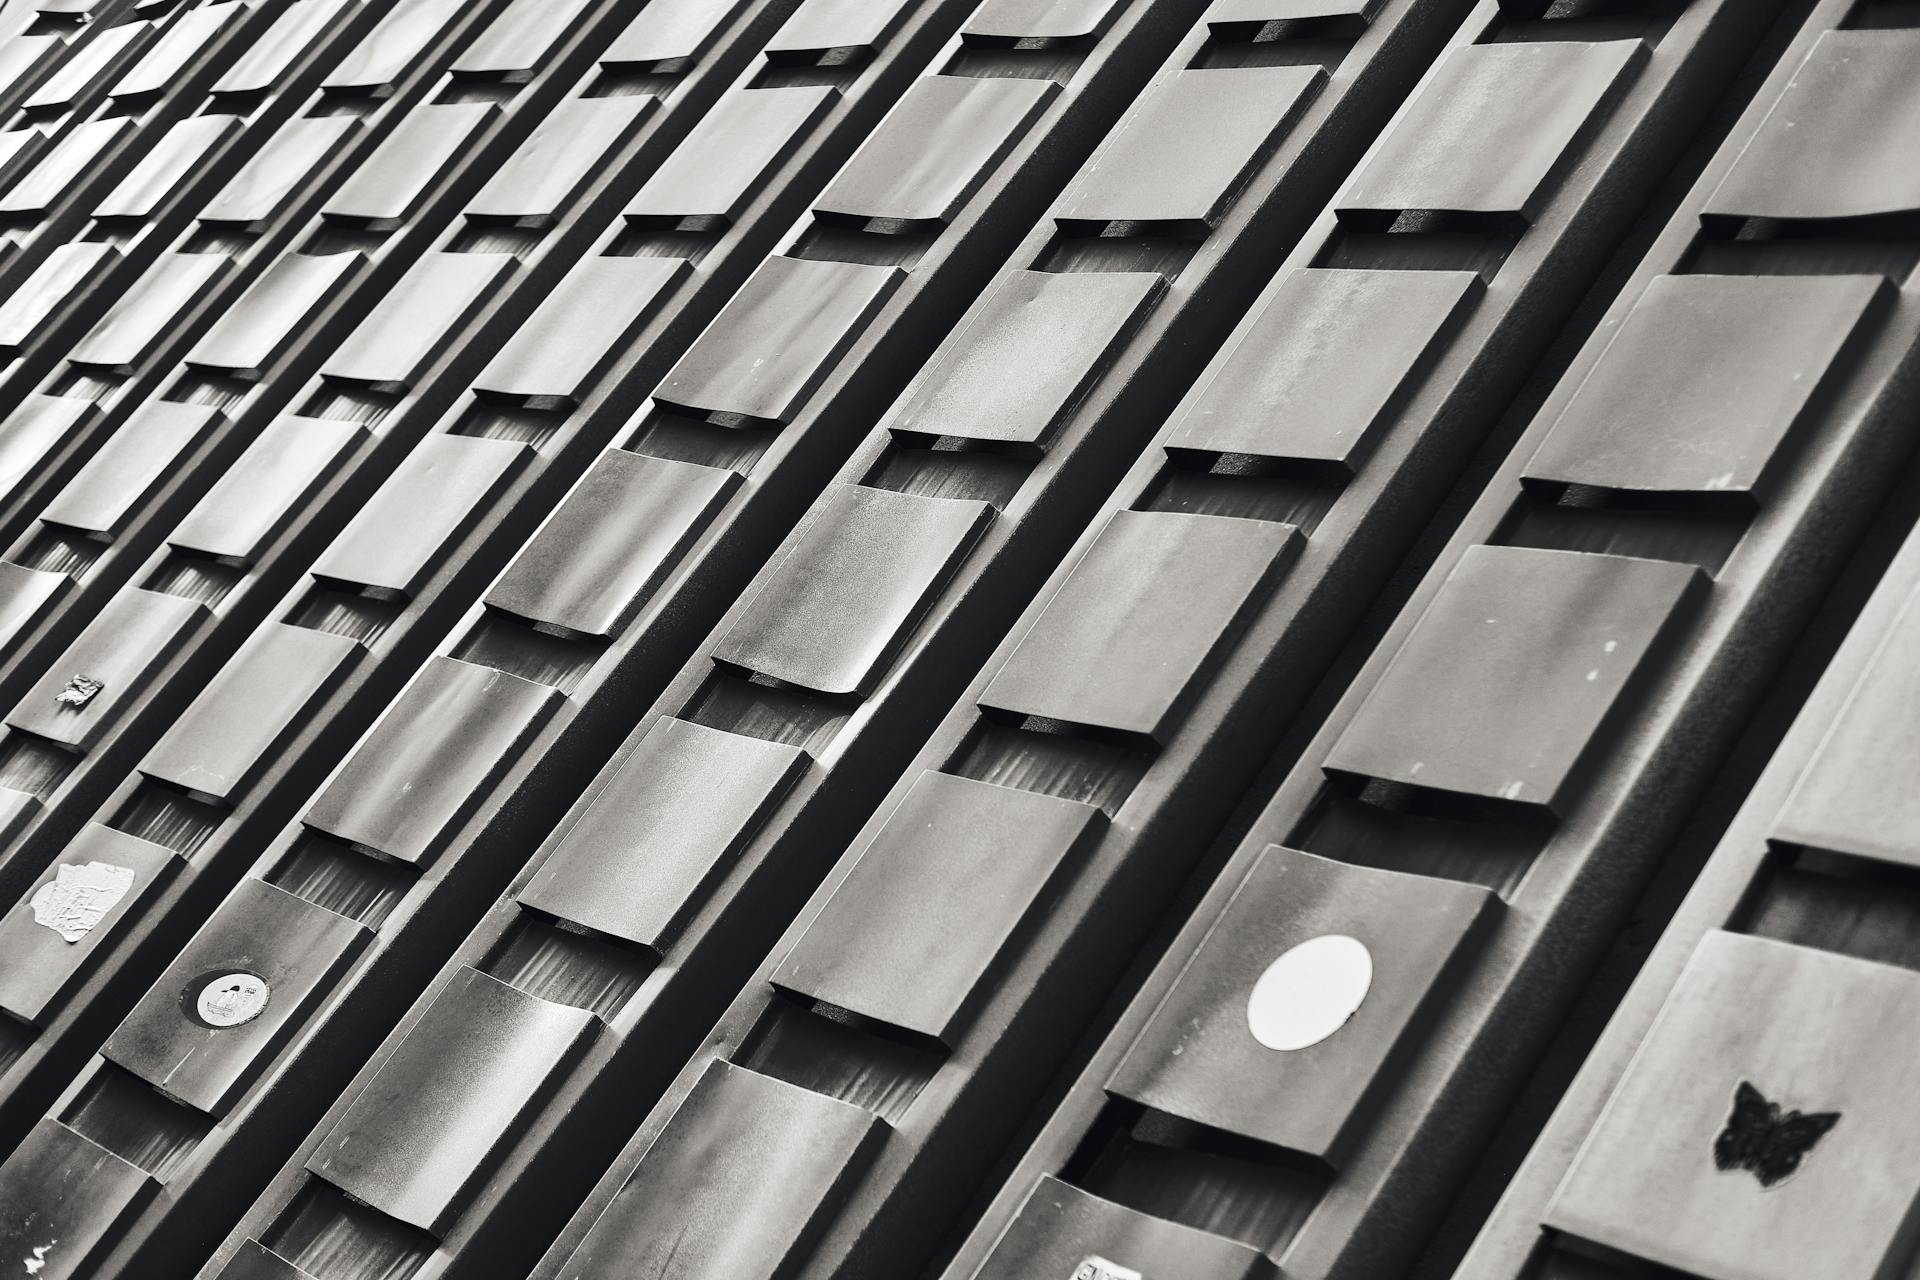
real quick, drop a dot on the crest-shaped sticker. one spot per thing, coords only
(79, 897)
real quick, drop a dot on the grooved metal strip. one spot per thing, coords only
(1308, 1074)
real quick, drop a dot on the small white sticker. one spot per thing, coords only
(231, 999)
(1310, 992)
(1098, 1268)
(79, 897)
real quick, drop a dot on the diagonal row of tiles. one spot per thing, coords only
(502, 381)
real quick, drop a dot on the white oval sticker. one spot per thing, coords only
(231, 999)
(1309, 992)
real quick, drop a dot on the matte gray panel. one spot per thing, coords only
(134, 635)
(1025, 355)
(50, 179)
(665, 825)
(254, 1261)
(1264, 11)
(388, 186)
(272, 53)
(832, 612)
(34, 431)
(385, 53)
(668, 30)
(565, 151)
(1156, 595)
(1060, 1227)
(1039, 19)
(1489, 126)
(727, 158)
(1504, 682)
(256, 331)
(253, 195)
(460, 1085)
(59, 1187)
(419, 771)
(138, 316)
(167, 165)
(914, 930)
(617, 535)
(167, 58)
(520, 37)
(250, 707)
(419, 319)
(1316, 368)
(581, 328)
(26, 595)
(818, 25)
(130, 466)
(252, 501)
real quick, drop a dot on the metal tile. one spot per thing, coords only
(252, 334)
(1809, 1030)
(1182, 151)
(1039, 19)
(74, 908)
(939, 143)
(564, 153)
(64, 1202)
(668, 30)
(254, 195)
(385, 54)
(665, 825)
(26, 596)
(296, 950)
(460, 1086)
(34, 431)
(1505, 681)
(419, 319)
(1704, 380)
(1839, 142)
(1489, 126)
(50, 179)
(726, 160)
(251, 502)
(271, 54)
(1025, 354)
(520, 37)
(832, 612)
(134, 635)
(418, 772)
(1265, 11)
(778, 338)
(1315, 369)
(90, 64)
(1122, 643)
(941, 890)
(63, 272)
(388, 186)
(1060, 1228)
(1198, 1057)
(148, 309)
(249, 709)
(582, 327)
(131, 466)
(166, 59)
(161, 171)
(254, 1261)
(616, 537)
(819, 25)
(742, 1169)
(432, 498)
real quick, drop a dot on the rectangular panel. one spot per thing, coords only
(1703, 381)
(665, 825)
(418, 320)
(385, 54)
(831, 613)
(26, 596)
(1186, 146)
(1489, 127)
(20, 149)
(1839, 142)
(388, 186)
(166, 166)
(519, 38)
(1126, 636)
(1696, 1162)
(272, 53)
(416, 775)
(34, 431)
(580, 328)
(107, 667)
(1314, 370)
(1026, 354)
(617, 535)
(936, 896)
(64, 271)
(148, 309)
(1282, 1025)
(741, 1171)
(777, 338)
(254, 1261)
(1059, 1230)
(48, 182)
(1857, 794)
(88, 65)
(567, 150)
(233, 997)
(819, 25)
(254, 333)
(1265, 11)
(250, 708)
(667, 31)
(462, 1083)
(58, 1186)
(935, 148)
(161, 66)
(131, 466)
(50, 936)
(724, 162)
(1507, 677)
(251, 502)
(254, 194)
(1038, 19)
(432, 498)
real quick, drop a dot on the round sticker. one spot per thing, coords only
(229, 999)
(1309, 992)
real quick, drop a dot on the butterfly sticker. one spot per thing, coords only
(1764, 1140)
